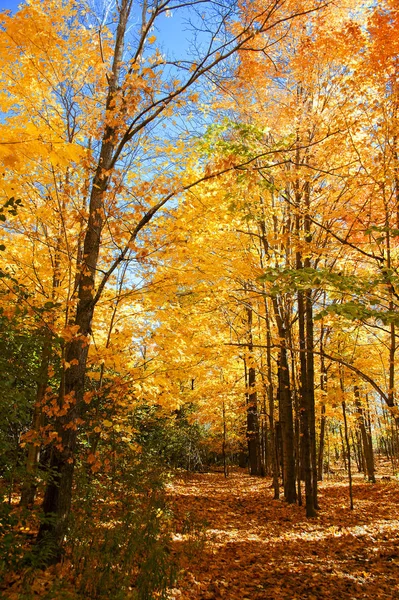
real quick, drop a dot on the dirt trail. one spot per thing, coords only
(257, 548)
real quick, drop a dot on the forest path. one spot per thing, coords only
(257, 548)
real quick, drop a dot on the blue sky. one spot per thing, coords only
(9, 4)
(171, 33)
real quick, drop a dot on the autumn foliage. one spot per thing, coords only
(199, 244)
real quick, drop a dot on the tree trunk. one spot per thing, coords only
(270, 395)
(357, 451)
(305, 334)
(323, 388)
(344, 451)
(320, 459)
(306, 397)
(58, 493)
(224, 442)
(348, 450)
(305, 412)
(252, 407)
(286, 415)
(311, 395)
(366, 439)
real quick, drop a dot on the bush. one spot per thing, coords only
(172, 438)
(120, 535)
(11, 541)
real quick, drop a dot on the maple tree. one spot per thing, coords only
(199, 253)
(333, 275)
(93, 114)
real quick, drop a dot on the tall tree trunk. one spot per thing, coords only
(348, 451)
(366, 439)
(391, 291)
(58, 493)
(306, 403)
(224, 441)
(305, 412)
(252, 407)
(311, 396)
(323, 388)
(297, 420)
(264, 251)
(285, 406)
(263, 426)
(273, 444)
(309, 333)
(357, 451)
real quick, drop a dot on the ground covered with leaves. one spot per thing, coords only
(228, 538)
(257, 548)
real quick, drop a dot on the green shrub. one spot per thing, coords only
(120, 537)
(171, 437)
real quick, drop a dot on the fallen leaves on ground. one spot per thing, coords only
(235, 542)
(257, 548)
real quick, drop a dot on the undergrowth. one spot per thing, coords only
(119, 545)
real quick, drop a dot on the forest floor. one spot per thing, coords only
(251, 547)
(235, 542)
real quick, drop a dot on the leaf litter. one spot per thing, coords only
(257, 548)
(235, 542)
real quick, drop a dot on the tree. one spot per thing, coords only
(92, 127)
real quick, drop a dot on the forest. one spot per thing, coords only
(199, 292)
